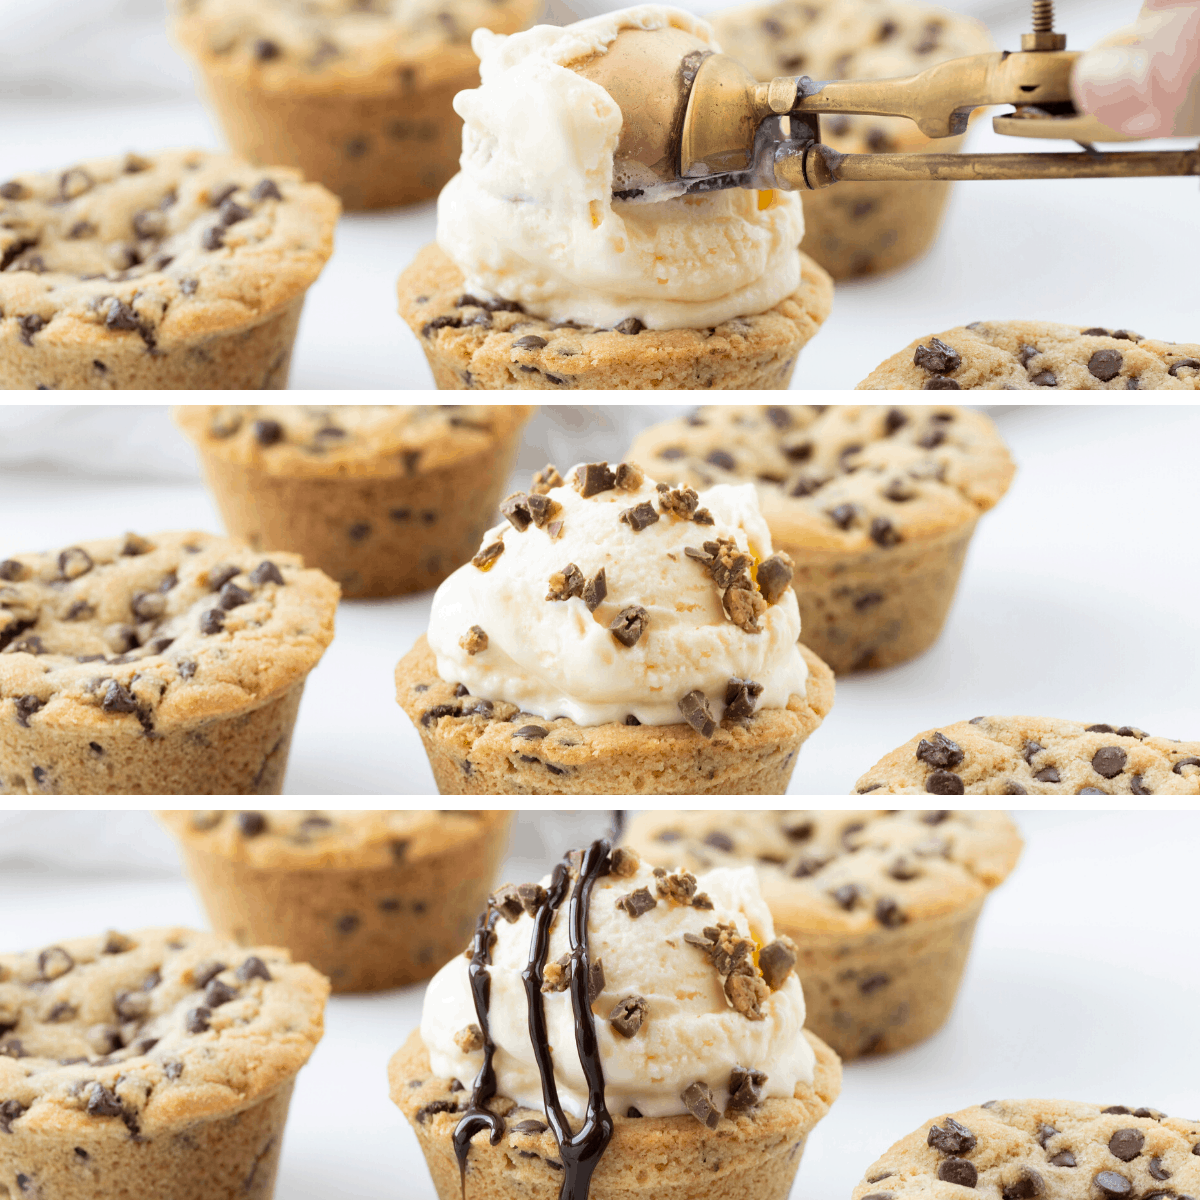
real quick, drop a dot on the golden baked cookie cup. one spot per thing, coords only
(480, 343)
(670, 1158)
(882, 907)
(352, 97)
(480, 747)
(857, 229)
(372, 899)
(1036, 756)
(179, 270)
(165, 1070)
(1041, 1148)
(146, 666)
(1031, 355)
(875, 506)
(386, 499)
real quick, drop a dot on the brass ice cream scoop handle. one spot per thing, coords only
(737, 132)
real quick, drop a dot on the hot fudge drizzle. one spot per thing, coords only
(582, 1151)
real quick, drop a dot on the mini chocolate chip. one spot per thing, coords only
(251, 824)
(118, 699)
(26, 706)
(940, 751)
(1047, 775)
(212, 621)
(1044, 379)
(1157, 1170)
(54, 962)
(883, 532)
(1126, 1144)
(266, 572)
(1177, 769)
(253, 968)
(232, 597)
(531, 732)
(888, 913)
(696, 712)
(943, 783)
(937, 358)
(265, 50)
(531, 341)
(104, 1103)
(217, 993)
(1105, 364)
(74, 562)
(1109, 761)
(348, 923)
(268, 432)
(1064, 1158)
(959, 1171)
(232, 212)
(197, 1019)
(1113, 1184)
(843, 515)
(265, 189)
(846, 896)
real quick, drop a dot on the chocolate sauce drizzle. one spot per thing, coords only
(581, 1152)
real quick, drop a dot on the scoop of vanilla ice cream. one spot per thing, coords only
(689, 1033)
(530, 216)
(555, 658)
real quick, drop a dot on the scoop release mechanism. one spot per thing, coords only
(695, 121)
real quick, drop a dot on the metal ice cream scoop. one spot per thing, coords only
(695, 121)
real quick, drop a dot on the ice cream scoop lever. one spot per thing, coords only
(697, 121)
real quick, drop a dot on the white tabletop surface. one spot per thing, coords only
(1120, 253)
(1078, 599)
(1080, 986)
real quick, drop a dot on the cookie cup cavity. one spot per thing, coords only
(475, 754)
(474, 342)
(670, 1158)
(382, 522)
(375, 914)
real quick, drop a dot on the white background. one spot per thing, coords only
(1083, 985)
(1078, 600)
(82, 78)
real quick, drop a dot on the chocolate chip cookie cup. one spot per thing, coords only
(157, 1064)
(386, 499)
(875, 507)
(372, 899)
(671, 1158)
(881, 907)
(493, 343)
(1036, 756)
(165, 665)
(649, 1100)
(182, 269)
(480, 747)
(1026, 1148)
(1028, 355)
(859, 229)
(357, 96)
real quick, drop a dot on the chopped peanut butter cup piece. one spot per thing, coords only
(637, 902)
(556, 976)
(639, 517)
(744, 606)
(745, 1089)
(593, 478)
(627, 1015)
(775, 576)
(516, 509)
(630, 476)
(507, 902)
(680, 888)
(469, 1039)
(545, 479)
(629, 624)
(623, 862)
(682, 502)
(474, 640)
(776, 961)
(741, 695)
(595, 590)
(488, 555)
(698, 1100)
(566, 583)
(697, 713)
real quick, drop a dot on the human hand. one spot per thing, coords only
(1145, 79)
